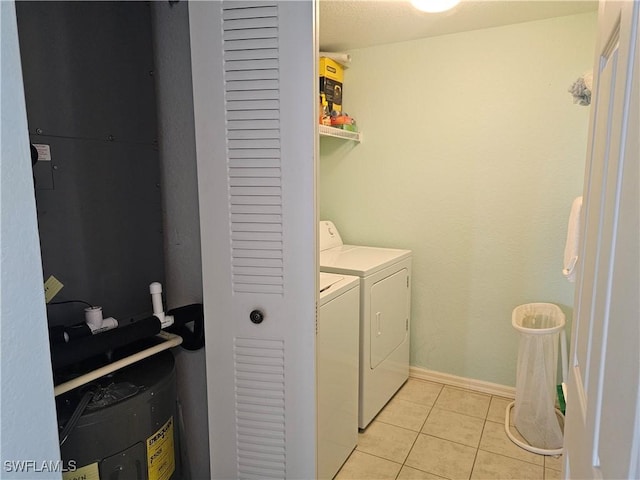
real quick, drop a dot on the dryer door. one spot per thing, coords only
(389, 315)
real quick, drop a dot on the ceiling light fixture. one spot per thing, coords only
(434, 6)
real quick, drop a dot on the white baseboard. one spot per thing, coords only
(462, 382)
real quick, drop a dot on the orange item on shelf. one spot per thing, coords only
(341, 120)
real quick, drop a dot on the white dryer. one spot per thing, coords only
(385, 303)
(337, 349)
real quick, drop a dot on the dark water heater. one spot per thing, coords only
(129, 428)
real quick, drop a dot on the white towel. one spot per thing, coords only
(573, 241)
(588, 80)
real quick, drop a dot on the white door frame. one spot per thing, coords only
(602, 430)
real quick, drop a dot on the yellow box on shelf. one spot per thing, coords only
(331, 80)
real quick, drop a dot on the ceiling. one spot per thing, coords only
(351, 24)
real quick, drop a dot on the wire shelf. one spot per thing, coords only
(326, 131)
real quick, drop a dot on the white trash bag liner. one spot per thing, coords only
(535, 417)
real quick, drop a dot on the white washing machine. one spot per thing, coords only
(337, 351)
(385, 303)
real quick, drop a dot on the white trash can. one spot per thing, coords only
(540, 326)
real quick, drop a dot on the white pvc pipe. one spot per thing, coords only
(155, 289)
(108, 323)
(93, 317)
(170, 340)
(343, 59)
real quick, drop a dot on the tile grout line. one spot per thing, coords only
(423, 424)
(514, 458)
(396, 426)
(505, 455)
(420, 431)
(484, 424)
(429, 414)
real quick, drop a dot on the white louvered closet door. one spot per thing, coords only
(254, 80)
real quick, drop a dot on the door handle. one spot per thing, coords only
(379, 319)
(256, 316)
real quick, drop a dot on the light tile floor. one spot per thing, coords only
(432, 431)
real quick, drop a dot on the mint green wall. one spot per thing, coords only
(473, 152)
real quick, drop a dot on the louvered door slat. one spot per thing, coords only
(244, 95)
(256, 209)
(261, 84)
(250, 23)
(240, 253)
(256, 144)
(257, 280)
(249, 10)
(273, 192)
(253, 105)
(252, 64)
(251, 200)
(256, 218)
(257, 245)
(258, 227)
(259, 262)
(253, 124)
(250, 6)
(259, 159)
(256, 54)
(250, 44)
(259, 114)
(246, 171)
(267, 181)
(256, 236)
(250, 33)
(251, 134)
(266, 74)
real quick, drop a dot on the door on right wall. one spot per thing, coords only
(602, 431)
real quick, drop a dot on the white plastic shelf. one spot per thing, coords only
(326, 131)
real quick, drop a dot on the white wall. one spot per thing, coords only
(473, 152)
(181, 220)
(27, 411)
